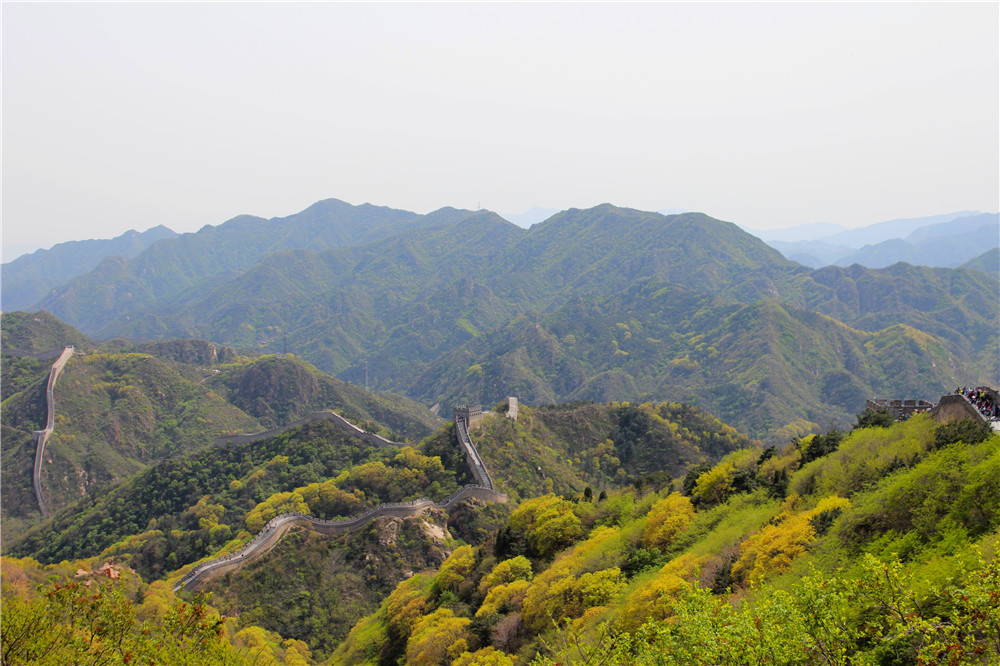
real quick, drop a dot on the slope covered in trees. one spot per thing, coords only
(462, 306)
(121, 407)
(880, 546)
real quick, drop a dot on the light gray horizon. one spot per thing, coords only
(126, 116)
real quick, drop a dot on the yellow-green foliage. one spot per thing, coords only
(578, 580)
(516, 568)
(948, 499)
(410, 473)
(326, 499)
(455, 569)
(290, 502)
(510, 594)
(488, 656)
(207, 514)
(715, 485)
(652, 598)
(720, 527)
(89, 618)
(553, 599)
(409, 457)
(772, 549)
(130, 544)
(437, 637)
(548, 522)
(863, 457)
(667, 519)
(871, 618)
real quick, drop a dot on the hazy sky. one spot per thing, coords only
(121, 115)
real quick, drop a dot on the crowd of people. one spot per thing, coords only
(982, 398)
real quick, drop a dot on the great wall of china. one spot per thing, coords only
(42, 436)
(280, 525)
(951, 407)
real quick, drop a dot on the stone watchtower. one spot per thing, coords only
(468, 413)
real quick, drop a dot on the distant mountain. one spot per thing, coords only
(988, 262)
(195, 262)
(30, 277)
(983, 222)
(597, 303)
(812, 253)
(949, 244)
(882, 231)
(940, 240)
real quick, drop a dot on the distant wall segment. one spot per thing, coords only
(326, 415)
(42, 436)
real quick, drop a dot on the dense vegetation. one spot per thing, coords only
(80, 613)
(186, 508)
(600, 304)
(881, 548)
(875, 546)
(567, 448)
(122, 407)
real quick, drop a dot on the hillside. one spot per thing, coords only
(122, 407)
(194, 262)
(276, 390)
(761, 367)
(29, 278)
(184, 509)
(624, 515)
(779, 556)
(38, 333)
(460, 306)
(116, 413)
(988, 262)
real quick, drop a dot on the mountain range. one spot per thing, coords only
(942, 240)
(605, 303)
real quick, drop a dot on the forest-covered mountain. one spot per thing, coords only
(877, 547)
(179, 511)
(30, 277)
(605, 303)
(124, 407)
(880, 545)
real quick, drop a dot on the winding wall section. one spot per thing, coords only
(280, 525)
(42, 436)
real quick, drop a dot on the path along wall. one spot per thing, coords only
(278, 526)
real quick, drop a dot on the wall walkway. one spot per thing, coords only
(42, 436)
(280, 525)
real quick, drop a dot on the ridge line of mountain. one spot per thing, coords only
(278, 526)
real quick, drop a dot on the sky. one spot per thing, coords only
(120, 116)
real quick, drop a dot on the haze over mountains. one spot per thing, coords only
(940, 240)
(603, 304)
